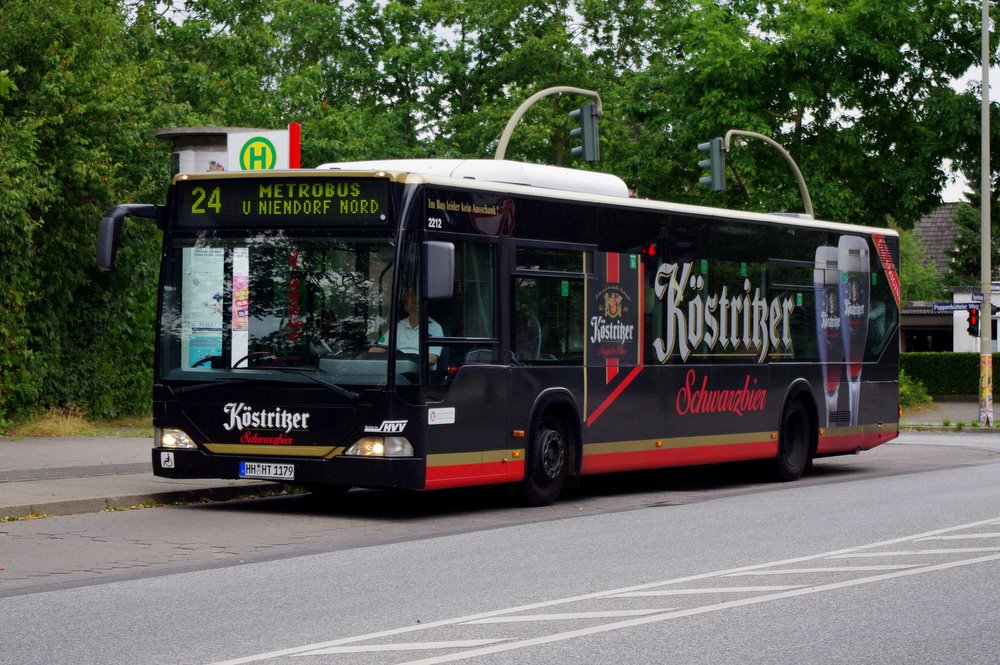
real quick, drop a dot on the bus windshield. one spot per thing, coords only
(275, 301)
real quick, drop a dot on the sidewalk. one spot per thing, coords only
(67, 475)
(950, 411)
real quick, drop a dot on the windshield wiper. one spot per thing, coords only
(195, 387)
(343, 392)
(229, 381)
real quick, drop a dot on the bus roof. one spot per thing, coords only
(502, 171)
(482, 172)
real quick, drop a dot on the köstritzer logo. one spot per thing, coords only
(613, 304)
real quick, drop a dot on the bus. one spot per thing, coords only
(430, 324)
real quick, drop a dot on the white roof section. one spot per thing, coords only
(498, 170)
(595, 187)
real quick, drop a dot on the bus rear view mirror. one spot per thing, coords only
(439, 258)
(110, 229)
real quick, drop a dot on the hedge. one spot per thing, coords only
(947, 373)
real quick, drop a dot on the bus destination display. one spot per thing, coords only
(310, 201)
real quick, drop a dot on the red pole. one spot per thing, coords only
(294, 145)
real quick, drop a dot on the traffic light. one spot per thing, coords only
(589, 148)
(973, 328)
(716, 164)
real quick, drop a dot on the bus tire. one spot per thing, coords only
(794, 443)
(548, 459)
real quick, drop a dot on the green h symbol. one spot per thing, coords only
(258, 153)
(257, 157)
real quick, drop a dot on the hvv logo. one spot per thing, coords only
(387, 427)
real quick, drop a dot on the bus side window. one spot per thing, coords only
(548, 320)
(469, 315)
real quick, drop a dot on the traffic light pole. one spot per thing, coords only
(803, 190)
(985, 267)
(526, 104)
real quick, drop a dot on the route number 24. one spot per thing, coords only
(203, 200)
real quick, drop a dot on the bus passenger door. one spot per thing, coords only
(467, 437)
(546, 328)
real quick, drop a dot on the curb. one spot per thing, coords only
(124, 502)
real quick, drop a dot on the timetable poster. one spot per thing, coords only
(201, 308)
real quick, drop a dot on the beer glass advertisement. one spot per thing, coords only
(842, 283)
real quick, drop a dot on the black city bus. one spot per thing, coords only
(426, 324)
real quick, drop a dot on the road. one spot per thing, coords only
(890, 556)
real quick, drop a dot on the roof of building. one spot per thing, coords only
(938, 233)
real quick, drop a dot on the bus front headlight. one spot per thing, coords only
(381, 446)
(167, 437)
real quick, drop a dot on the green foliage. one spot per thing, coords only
(946, 373)
(912, 392)
(75, 137)
(919, 275)
(965, 259)
(851, 90)
(6, 84)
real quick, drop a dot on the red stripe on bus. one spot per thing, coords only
(614, 395)
(465, 475)
(665, 457)
(887, 264)
(849, 442)
(610, 369)
(612, 267)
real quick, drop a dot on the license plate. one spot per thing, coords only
(267, 471)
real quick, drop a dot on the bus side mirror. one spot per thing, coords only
(110, 229)
(439, 260)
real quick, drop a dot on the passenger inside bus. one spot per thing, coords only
(408, 330)
(527, 339)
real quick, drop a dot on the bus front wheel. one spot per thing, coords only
(546, 470)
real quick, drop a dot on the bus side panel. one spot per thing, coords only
(878, 420)
(467, 440)
(681, 415)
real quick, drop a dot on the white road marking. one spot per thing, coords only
(401, 646)
(697, 592)
(831, 569)
(964, 536)
(564, 616)
(656, 618)
(292, 651)
(957, 550)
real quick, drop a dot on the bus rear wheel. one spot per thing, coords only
(546, 470)
(794, 446)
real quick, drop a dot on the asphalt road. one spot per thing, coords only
(890, 556)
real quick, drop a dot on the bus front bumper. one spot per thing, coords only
(382, 472)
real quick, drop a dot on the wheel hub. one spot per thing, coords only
(552, 456)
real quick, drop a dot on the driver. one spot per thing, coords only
(408, 330)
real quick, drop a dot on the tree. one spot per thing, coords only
(854, 89)
(964, 268)
(75, 135)
(919, 275)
